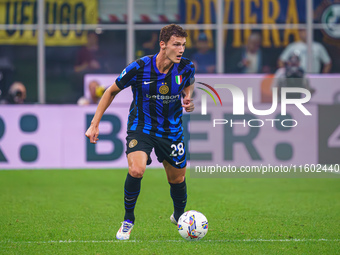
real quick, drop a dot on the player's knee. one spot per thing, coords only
(176, 180)
(136, 171)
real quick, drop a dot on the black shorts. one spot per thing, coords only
(173, 151)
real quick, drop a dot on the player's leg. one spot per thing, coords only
(178, 189)
(137, 163)
(139, 147)
(172, 153)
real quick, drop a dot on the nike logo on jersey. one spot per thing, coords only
(147, 82)
(178, 163)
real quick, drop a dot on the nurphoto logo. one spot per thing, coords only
(238, 101)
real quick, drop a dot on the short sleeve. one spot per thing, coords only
(191, 79)
(128, 75)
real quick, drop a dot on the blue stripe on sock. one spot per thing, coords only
(130, 203)
(131, 193)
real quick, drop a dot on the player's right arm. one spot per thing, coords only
(93, 131)
(126, 79)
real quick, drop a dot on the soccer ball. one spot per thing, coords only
(192, 225)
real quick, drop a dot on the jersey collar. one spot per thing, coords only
(156, 69)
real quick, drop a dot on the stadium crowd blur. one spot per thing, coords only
(96, 92)
(320, 55)
(204, 58)
(105, 54)
(291, 74)
(89, 59)
(16, 94)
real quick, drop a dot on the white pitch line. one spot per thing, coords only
(167, 241)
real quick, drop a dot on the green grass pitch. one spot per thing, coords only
(79, 212)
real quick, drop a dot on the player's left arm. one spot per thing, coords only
(188, 104)
(188, 90)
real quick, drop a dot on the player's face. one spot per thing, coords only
(174, 49)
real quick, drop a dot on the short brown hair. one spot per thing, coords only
(171, 30)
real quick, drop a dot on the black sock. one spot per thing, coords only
(131, 192)
(178, 194)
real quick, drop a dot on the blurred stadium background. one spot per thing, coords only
(40, 43)
(50, 66)
(121, 39)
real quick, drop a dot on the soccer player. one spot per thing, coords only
(158, 83)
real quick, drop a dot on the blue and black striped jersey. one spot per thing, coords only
(156, 108)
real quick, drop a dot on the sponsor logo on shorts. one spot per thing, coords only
(133, 143)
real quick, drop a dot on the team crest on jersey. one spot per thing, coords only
(164, 89)
(178, 79)
(133, 143)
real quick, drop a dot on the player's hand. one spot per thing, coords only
(188, 105)
(92, 133)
